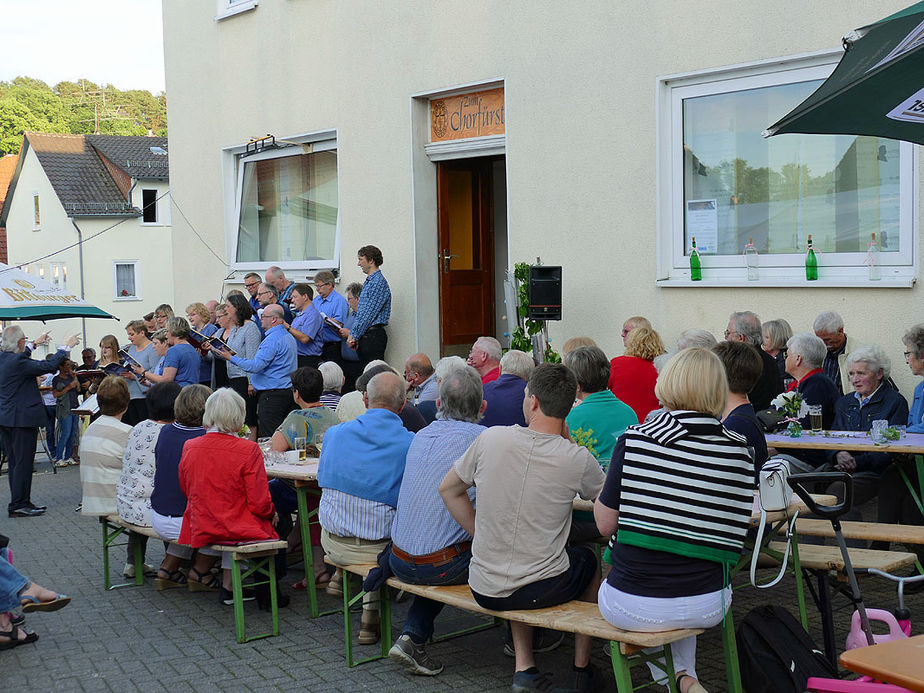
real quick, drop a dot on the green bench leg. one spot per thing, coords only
(730, 645)
(112, 532)
(384, 621)
(622, 665)
(261, 567)
(620, 669)
(304, 523)
(138, 557)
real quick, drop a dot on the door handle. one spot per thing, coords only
(446, 258)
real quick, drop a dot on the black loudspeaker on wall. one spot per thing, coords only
(544, 293)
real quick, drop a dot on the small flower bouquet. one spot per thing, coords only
(793, 406)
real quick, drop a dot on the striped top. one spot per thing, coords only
(687, 487)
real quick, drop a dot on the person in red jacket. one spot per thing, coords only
(633, 376)
(224, 480)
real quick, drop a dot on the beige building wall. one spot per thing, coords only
(150, 245)
(580, 83)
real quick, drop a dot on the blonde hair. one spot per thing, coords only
(644, 343)
(635, 321)
(199, 309)
(694, 379)
(576, 342)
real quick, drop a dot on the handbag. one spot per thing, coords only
(774, 495)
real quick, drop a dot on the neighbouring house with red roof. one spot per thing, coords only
(7, 167)
(91, 213)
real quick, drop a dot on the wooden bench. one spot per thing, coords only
(258, 558)
(863, 531)
(573, 617)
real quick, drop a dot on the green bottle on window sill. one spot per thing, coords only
(696, 266)
(811, 262)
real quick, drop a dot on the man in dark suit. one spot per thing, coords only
(745, 327)
(22, 411)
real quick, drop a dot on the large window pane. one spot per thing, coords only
(738, 185)
(289, 209)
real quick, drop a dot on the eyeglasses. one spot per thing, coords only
(263, 293)
(907, 354)
(728, 332)
(252, 284)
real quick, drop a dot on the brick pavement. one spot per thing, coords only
(138, 639)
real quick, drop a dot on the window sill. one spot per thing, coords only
(902, 282)
(126, 298)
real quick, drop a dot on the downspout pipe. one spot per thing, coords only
(83, 321)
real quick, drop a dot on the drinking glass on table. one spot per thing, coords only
(814, 411)
(301, 444)
(877, 432)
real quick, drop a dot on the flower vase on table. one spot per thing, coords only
(792, 405)
(794, 429)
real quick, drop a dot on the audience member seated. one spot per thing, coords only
(420, 378)
(829, 328)
(351, 404)
(662, 577)
(776, 334)
(412, 419)
(360, 472)
(444, 367)
(505, 395)
(168, 502)
(19, 592)
(576, 342)
(526, 481)
(485, 358)
(743, 367)
(805, 353)
(696, 337)
(745, 326)
(102, 449)
(872, 399)
(224, 480)
(600, 417)
(633, 376)
(428, 545)
(310, 421)
(133, 494)
(334, 381)
(632, 323)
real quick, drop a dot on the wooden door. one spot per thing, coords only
(466, 252)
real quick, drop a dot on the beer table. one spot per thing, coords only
(859, 441)
(305, 477)
(899, 662)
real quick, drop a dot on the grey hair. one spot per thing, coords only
(374, 363)
(914, 340)
(461, 395)
(224, 410)
(269, 287)
(696, 338)
(828, 322)
(590, 366)
(874, 356)
(517, 362)
(491, 347)
(447, 365)
(387, 390)
(779, 332)
(160, 335)
(809, 347)
(355, 289)
(747, 324)
(332, 374)
(661, 361)
(11, 337)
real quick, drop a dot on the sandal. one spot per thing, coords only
(695, 686)
(14, 641)
(201, 584)
(167, 580)
(30, 603)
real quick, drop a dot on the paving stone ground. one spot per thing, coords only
(138, 639)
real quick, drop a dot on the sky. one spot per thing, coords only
(118, 42)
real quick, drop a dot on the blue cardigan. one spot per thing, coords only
(915, 424)
(885, 403)
(365, 457)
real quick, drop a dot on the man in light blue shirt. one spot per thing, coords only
(270, 370)
(332, 305)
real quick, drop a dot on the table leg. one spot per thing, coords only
(919, 468)
(304, 524)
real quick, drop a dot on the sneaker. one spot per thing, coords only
(335, 586)
(369, 627)
(544, 640)
(414, 657)
(532, 680)
(227, 596)
(588, 680)
(73, 461)
(62, 463)
(129, 570)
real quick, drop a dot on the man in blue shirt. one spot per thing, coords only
(368, 334)
(268, 296)
(334, 306)
(306, 327)
(271, 369)
(252, 285)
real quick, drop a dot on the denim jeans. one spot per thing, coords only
(50, 427)
(65, 444)
(423, 612)
(12, 582)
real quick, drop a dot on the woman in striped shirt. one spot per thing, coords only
(678, 496)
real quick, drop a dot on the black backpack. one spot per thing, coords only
(776, 654)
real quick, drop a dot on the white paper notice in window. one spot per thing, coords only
(703, 224)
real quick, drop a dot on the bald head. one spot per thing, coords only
(386, 391)
(273, 311)
(276, 277)
(417, 369)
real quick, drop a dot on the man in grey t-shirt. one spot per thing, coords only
(526, 480)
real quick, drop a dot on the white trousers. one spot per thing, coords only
(652, 614)
(169, 528)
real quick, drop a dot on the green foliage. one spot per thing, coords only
(522, 338)
(28, 104)
(585, 439)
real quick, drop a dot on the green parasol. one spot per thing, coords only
(25, 297)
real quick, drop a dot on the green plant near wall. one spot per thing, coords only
(522, 338)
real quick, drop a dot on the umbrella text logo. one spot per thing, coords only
(24, 284)
(911, 110)
(22, 295)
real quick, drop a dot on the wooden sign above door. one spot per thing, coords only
(463, 116)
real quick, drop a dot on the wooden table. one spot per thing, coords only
(305, 477)
(859, 441)
(900, 662)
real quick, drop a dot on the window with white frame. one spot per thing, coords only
(149, 206)
(126, 280)
(229, 8)
(36, 216)
(724, 184)
(287, 208)
(58, 275)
